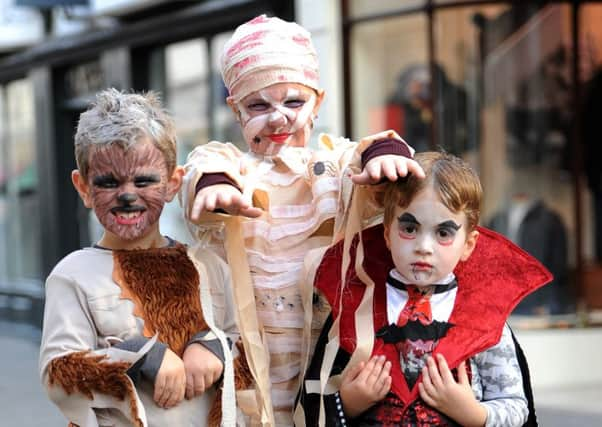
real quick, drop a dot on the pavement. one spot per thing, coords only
(23, 402)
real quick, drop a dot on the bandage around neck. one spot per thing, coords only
(266, 51)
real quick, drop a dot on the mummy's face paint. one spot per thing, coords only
(278, 115)
(127, 189)
(427, 240)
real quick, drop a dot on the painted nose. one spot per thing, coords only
(127, 198)
(276, 119)
(424, 245)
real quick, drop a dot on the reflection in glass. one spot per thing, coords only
(444, 2)
(390, 83)
(590, 54)
(20, 205)
(359, 8)
(187, 96)
(525, 158)
(3, 184)
(590, 62)
(225, 126)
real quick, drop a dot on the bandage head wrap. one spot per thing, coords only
(266, 51)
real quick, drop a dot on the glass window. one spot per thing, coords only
(359, 8)
(4, 229)
(390, 78)
(19, 199)
(526, 139)
(500, 94)
(590, 61)
(187, 92)
(187, 100)
(447, 2)
(225, 125)
(456, 75)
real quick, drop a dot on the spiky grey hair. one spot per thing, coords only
(117, 117)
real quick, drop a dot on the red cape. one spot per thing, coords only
(491, 283)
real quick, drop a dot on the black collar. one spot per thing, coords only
(438, 288)
(170, 244)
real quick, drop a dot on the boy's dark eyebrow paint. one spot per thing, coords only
(450, 224)
(408, 217)
(148, 177)
(103, 179)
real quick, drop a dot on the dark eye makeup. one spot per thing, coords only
(105, 181)
(146, 180)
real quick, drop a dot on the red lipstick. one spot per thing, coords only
(279, 138)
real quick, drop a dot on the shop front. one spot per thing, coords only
(513, 88)
(45, 86)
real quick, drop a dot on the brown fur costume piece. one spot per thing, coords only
(84, 373)
(243, 379)
(164, 286)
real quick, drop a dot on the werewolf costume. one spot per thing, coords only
(109, 317)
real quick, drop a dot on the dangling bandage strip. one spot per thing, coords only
(250, 330)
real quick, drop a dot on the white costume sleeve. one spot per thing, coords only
(69, 329)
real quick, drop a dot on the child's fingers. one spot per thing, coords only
(226, 202)
(462, 374)
(433, 372)
(402, 169)
(384, 373)
(389, 169)
(385, 386)
(367, 371)
(197, 207)
(165, 393)
(414, 168)
(176, 393)
(200, 385)
(251, 212)
(373, 369)
(360, 178)
(444, 371)
(428, 383)
(159, 389)
(351, 373)
(237, 201)
(426, 396)
(207, 204)
(375, 172)
(189, 386)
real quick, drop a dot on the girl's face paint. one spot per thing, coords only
(427, 240)
(278, 115)
(127, 190)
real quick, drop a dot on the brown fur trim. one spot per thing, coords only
(243, 378)
(85, 373)
(126, 293)
(214, 418)
(166, 284)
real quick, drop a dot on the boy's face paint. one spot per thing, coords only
(127, 189)
(427, 240)
(278, 115)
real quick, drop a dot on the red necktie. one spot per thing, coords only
(418, 307)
